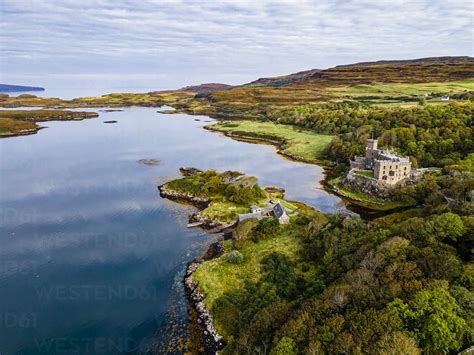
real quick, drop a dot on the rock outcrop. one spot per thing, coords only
(200, 202)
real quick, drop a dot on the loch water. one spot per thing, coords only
(91, 257)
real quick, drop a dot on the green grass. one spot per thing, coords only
(224, 211)
(223, 206)
(151, 99)
(398, 89)
(300, 143)
(21, 122)
(365, 173)
(47, 115)
(12, 127)
(217, 276)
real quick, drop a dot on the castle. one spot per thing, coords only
(382, 165)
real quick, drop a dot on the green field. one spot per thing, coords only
(365, 173)
(398, 89)
(217, 276)
(300, 143)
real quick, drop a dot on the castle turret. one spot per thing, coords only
(371, 150)
(372, 144)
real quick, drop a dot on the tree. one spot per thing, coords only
(432, 316)
(447, 226)
(286, 346)
(397, 343)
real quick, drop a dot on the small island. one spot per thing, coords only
(227, 199)
(23, 122)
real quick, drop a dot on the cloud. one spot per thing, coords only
(193, 41)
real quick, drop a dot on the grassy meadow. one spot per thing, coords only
(300, 143)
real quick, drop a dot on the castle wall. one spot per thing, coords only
(391, 172)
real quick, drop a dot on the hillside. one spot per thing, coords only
(372, 83)
(285, 79)
(421, 61)
(205, 88)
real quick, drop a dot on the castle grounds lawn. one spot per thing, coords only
(365, 173)
(301, 143)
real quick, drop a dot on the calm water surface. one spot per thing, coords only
(91, 257)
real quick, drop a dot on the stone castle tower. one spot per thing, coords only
(388, 167)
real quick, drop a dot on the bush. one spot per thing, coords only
(242, 233)
(266, 228)
(235, 257)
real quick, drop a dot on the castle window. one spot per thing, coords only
(391, 173)
(384, 177)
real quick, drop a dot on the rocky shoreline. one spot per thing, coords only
(212, 225)
(199, 202)
(212, 340)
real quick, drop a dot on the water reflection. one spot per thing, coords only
(91, 255)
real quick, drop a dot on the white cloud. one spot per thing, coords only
(212, 40)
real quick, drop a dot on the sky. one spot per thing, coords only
(164, 44)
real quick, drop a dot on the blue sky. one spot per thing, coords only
(170, 43)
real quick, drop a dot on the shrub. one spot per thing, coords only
(266, 228)
(235, 257)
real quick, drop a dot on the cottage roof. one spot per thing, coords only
(279, 210)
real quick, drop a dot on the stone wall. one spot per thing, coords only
(367, 185)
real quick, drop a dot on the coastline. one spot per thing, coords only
(279, 144)
(209, 224)
(202, 332)
(202, 321)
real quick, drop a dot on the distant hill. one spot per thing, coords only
(18, 88)
(421, 70)
(206, 88)
(285, 79)
(381, 80)
(420, 61)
